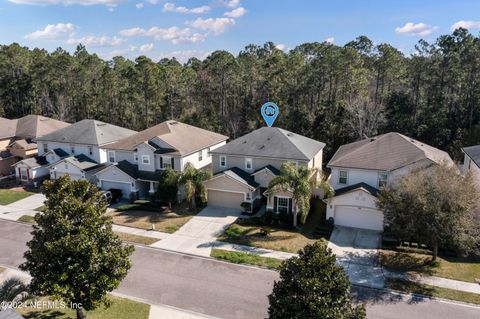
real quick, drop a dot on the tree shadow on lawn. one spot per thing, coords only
(53, 314)
(407, 262)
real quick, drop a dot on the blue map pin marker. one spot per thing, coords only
(269, 112)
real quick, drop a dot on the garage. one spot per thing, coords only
(359, 217)
(225, 199)
(124, 187)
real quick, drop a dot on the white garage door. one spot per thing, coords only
(124, 187)
(73, 177)
(225, 199)
(358, 217)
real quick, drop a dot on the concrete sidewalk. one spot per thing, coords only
(22, 207)
(198, 235)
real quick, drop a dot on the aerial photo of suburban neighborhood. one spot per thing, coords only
(239, 159)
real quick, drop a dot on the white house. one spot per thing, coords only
(136, 162)
(360, 169)
(471, 161)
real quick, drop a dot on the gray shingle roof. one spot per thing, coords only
(372, 190)
(474, 153)
(89, 132)
(133, 171)
(240, 175)
(386, 152)
(32, 126)
(34, 162)
(272, 142)
(81, 161)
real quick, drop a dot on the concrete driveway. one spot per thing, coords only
(356, 251)
(199, 234)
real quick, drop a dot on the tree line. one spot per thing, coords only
(335, 94)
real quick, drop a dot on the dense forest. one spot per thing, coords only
(335, 94)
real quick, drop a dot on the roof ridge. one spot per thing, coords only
(282, 131)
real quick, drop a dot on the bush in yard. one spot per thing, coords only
(246, 206)
(74, 255)
(192, 179)
(313, 286)
(168, 187)
(436, 207)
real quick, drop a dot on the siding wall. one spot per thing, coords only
(98, 155)
(239, 161)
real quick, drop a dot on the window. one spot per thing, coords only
(146, 159)
(111, 156)
(66, 166)
(282, 205)
(135, 156)
(223, 161)
(45, 147)
(248, 197)
(72, 149)
(208, 152)
(23, 174)
(248, 164)
(343, 177)
(90, 150)
(166, 162)
(200, 156)
(382, 179)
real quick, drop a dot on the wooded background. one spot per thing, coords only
(330, 93)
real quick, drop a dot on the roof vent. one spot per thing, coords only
(372, 139)
(262, 147)
(101, 124)
(244, 142)
(173, 123)
(412, 140)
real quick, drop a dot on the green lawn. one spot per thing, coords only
(464, 269)
(140, 215)
(245, 258)
(120, 309)
(432, 291)
(248, 232)
(27, 219)
(136, 238)
(8, 196)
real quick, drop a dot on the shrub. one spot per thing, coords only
(246, 206)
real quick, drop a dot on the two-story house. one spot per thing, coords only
(77, 150)
(244, 168)
(136, 162)
(471, 161)
(360, 169)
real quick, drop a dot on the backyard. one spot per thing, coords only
(120, 308)
(143, 214)
(8, 196)
(458, 268)
(251, 232)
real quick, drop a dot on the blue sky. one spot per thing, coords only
(181, 28)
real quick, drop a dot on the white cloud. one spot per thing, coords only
(68, 2)
(173, 34)
(153, 1)
(146, 47)
(466, 25)
(411, 28)
(53, 32)
(281, 46)
(217, 25)
(97, 41)
(139, 5)
(235, 13)
(232, 3)
(171, 7)
(330, 40)
(184, 56)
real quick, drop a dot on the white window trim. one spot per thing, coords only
(208, 152)
(45, 147)
(166, 162)
(90, 150)
(339, 176)
(249, 200)
(283, 197)
(72, 148)
(249, 160)
(200, 156)
(147, 157)
(220, 160)
(135, 157)
(109, 153)
(378, 178)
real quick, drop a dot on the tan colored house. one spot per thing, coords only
(244, 168)
(17, 138)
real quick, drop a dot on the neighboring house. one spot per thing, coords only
(360, 169)
(471, 161)
(136, 162)
(17, 139)
(77, 150)
(244, 168)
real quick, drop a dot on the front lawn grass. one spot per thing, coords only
(120, 308)
(432, 291)
(10, 196)
(457, 268)
(27, 219)
(136, 238)
(249, 232)
(140, 215)
(246, 258)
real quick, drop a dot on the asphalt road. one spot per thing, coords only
(226, 290)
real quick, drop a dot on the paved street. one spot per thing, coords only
(225, 290)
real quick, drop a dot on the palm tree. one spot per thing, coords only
(192, 179)
(301, 182)
(13, 289)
